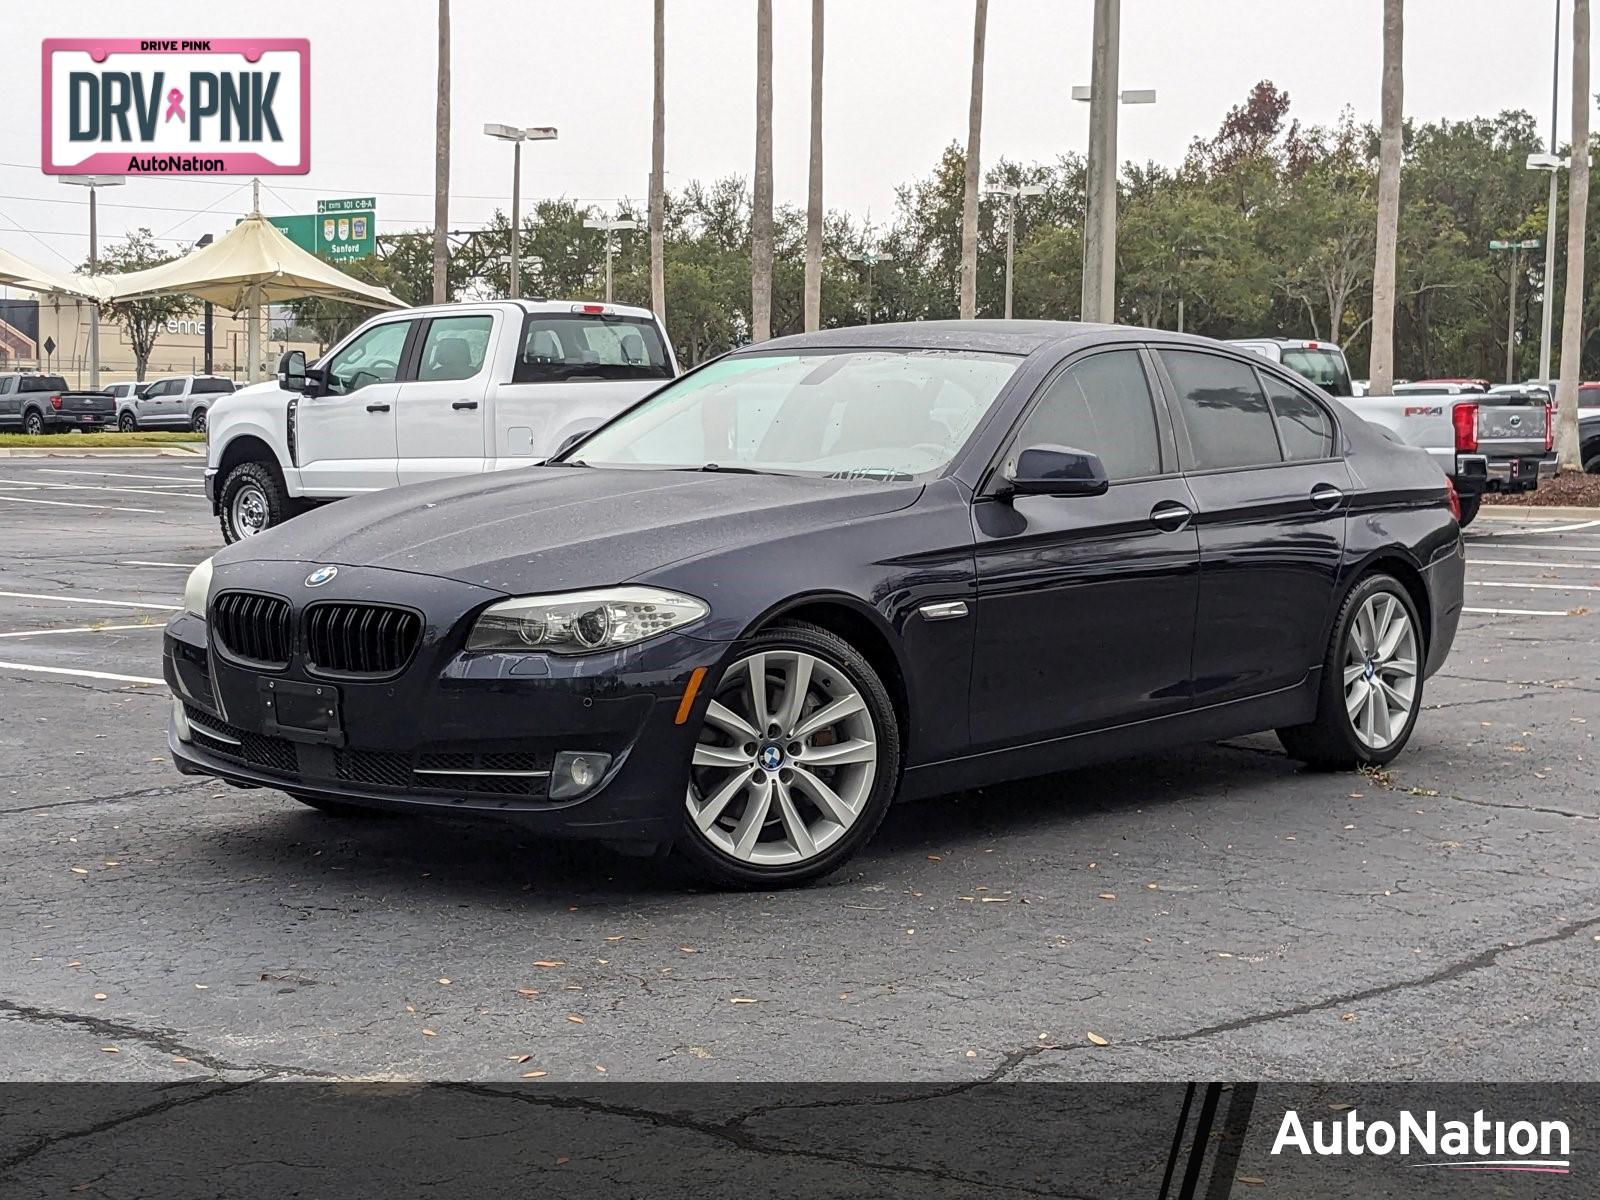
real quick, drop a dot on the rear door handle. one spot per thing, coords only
(461, 404)
(1325, 496)
(377, 408)
(1170, 516)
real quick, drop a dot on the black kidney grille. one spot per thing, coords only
(360, 639)
(254, 627)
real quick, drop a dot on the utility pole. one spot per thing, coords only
(1100, 222)
(608, 226)
(206, 240)
(1552, 165)
(516, 136)
(441, 164)
(1516, 249)
(658, 168)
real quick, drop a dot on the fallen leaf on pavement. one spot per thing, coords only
(1108, 895)
(549, 962)
(429, 1033)
(575, 1018)
(519, 1058)
(1097, 1040)
(80, 871)
(534, 1074)
(740, 1000)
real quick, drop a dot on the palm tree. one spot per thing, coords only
(761, 218)
(1381, 365)
(813, 290)
(1568, 457)
(441, 165)
(969, 200)
(658, 170)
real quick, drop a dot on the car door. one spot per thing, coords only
(148, 406)
(442, 406)
(1086, 604)
(345, 439)
(1271, 488)
(10, 400)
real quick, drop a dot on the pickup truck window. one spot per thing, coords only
(43, 383)
(455, 347)
(562, 346)
(374, 357)
(213, 385)
(1304, 427)
(1325, 368)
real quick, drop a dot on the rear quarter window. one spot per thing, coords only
(1304, 427)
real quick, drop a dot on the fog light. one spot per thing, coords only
(575, 772)
(180, 722)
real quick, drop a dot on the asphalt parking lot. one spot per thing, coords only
(1213, 913)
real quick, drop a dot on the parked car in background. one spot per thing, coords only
(1323, 363)
(125, 389)
(1589, 439)
(38, 404)
(177, 402)
(425, 393)
(1484, 442)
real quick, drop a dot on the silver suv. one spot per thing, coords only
(178, 402)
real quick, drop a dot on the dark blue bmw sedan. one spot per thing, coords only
(829, 571)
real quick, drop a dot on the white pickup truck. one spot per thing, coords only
(425, 393)
(1485, 441)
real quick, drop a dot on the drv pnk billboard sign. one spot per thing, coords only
(171, 106)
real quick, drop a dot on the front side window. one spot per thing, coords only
(374, 357)
(874, 413)
(1304, 426)
(1101, 405)
(560, 346)
(1224, 410)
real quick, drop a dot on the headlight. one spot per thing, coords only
(583, 622)
(197, 589)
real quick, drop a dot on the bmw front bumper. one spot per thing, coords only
(452, 732)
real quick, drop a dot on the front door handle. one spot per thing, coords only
(1170, 516)
(1326, 497)
(461, 404)
(377, 408)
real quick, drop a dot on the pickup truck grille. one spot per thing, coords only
(360, 639)
(253, 627)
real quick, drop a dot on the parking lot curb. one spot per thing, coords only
(1524, 512)
(104, 452)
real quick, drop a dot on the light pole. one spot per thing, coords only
(1549, 162)
(1012, 196)
(1100, 218)
(872, 258)
(205, 241)
(609, 226)
(1516, 249)
(93, 182)
(516, 136)
(1183, 257)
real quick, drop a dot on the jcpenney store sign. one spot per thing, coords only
(209, 106)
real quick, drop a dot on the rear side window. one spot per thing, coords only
(455, 347)
(1229, 422)
(213, 385)
(1304, 427)
(1101, 405)
(562, 346)
(43, 383)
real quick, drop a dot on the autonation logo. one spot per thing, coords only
(1476, 1145)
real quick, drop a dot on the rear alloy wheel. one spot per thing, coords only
(796, 763)
(1371, 686)
(33, 423)
(127, 422)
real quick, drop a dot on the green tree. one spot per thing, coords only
(141, 320)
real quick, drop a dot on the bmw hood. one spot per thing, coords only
(559, 528)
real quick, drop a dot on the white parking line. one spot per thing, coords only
(1564, 547)
(154, 512)
(140, 562)
(1517, 612)
(13, 666)
(118, 474)
(1546, 529)
(1526, 562)
(1542, 587)
(188, 494)
(107, 602)
(28, 633)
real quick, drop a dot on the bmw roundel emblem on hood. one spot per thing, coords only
(321, 576)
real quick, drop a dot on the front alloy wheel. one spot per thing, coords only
(795, 763)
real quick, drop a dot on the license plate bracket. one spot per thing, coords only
(301, 712)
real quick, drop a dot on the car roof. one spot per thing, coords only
(992, 336)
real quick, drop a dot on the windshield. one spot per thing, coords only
(1325, 368)
(876, 413)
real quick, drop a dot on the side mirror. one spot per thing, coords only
(1057, 471)
(292, 371)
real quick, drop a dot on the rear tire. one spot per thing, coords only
(127, 422)
(197, 422)
(252, 499)
(33, 423)
(1591, 458)
(753, 823)
(337, 808)
(1469, 509)
(1375, 658)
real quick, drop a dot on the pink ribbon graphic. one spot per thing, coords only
(175, 105)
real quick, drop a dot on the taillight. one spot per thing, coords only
(1465, 418)
(1549, 427)
(55, 403)
(1454, 498)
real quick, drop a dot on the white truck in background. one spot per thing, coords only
(426, 393)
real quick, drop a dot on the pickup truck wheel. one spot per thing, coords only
(127, 422)
(253, 499)
(33, 423)
(198, 421)
(1469, 509)
(1591, 458)
(1371, 688)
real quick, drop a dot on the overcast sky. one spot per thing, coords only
(896, 90)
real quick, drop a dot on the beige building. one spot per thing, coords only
(179, 348)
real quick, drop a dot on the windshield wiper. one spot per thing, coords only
(717, 467)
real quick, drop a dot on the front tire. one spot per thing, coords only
(252, 499)
(1469, 509)
(1371, 688)
(796, 764)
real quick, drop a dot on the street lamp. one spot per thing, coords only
(609, 226)
(1183, 257)
(516, 136)
(1100, 220)
(92, 182)
(1516, 249)
(206, 240)
(1012, 195)
(872, 258)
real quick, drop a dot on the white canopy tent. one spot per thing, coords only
(251, 265)
(18, 273)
